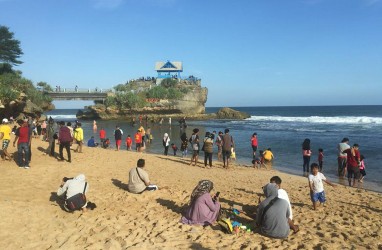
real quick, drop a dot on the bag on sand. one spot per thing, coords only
(77, 201)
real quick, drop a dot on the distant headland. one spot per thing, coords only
(167, 95)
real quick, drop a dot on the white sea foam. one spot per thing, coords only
(320, 119)
(57, 117)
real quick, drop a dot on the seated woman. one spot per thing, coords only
(203, 210)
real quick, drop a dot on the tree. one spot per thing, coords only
(45, 86)
(10, 49)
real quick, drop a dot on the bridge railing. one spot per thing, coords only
(81, 90)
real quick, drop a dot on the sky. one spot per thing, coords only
(247, 52)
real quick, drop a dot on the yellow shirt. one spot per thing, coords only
(6, 130)
(268, 155)
(79, 134)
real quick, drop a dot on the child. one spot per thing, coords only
(128, 142)
(184, 145)
(256, 162)
(233, 154)
(316, 186)
(362, 168)
(320, 158)
(174, 148)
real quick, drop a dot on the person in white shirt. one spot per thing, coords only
(72, 186)
(282, 194)
(317, 193)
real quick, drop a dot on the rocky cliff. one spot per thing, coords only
(23, 107)
(192, 101)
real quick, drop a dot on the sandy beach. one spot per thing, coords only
(32, 219)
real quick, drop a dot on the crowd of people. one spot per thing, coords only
(274, 215)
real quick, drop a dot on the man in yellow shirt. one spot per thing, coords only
(268, 157)
(5, 134)
(79, 137)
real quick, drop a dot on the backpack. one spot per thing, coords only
(77, 201)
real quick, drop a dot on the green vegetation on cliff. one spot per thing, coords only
(134, 94)
(12, 83)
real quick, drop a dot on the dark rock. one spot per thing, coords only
(228, 113)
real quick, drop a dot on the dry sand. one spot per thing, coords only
(32, 219)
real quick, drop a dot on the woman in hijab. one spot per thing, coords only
(166, 143)
(203, 209)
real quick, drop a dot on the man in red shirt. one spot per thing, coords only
(353, 160)
(138, 140)
(102, 135)
(23, 142)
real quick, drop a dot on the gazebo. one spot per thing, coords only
(169, 69)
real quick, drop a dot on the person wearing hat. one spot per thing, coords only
(23, 140)
(5, 134)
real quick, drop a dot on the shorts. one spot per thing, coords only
(138, 145)
(220, 149)
(118, 142)
(363, 172)
(254, 148)
(353, 172)
(226, 154)
(318, 197)
(195, 153)
(5, 144)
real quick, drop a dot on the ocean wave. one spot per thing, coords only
(56, 117)
(320, 119)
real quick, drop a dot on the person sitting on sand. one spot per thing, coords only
(317, 193)
(282, 194)
(71, 187)
(203, 209)
(273, 214)
(92, 143)
(139, 179)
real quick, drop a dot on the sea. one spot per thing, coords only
(283, 129)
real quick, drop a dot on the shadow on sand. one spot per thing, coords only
(120, 184)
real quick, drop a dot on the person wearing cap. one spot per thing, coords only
(23, 140)
(5, 134)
